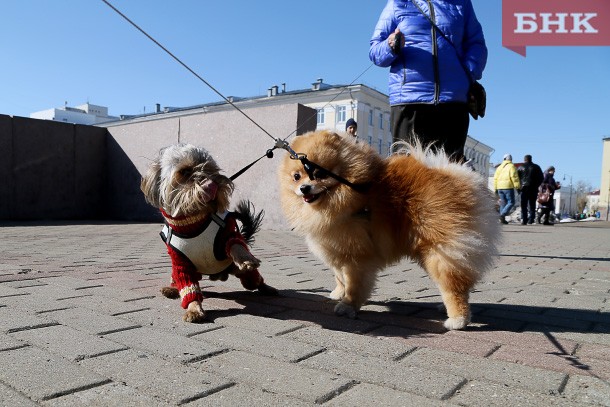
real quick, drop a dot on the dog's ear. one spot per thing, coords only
(151, 182)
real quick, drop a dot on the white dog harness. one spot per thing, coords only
(200, 249)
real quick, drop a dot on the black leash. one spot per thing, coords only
(268, 154)
(322, 172)
(279, 143)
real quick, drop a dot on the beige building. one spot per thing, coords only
(604, 191)
(335, 104)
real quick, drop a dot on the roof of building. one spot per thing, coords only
(273, 92)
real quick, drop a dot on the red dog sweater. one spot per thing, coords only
(200, 245)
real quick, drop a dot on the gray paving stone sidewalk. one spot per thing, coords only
(82, 322)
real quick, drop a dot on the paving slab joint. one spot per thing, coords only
(113, 331)
(204, 357)
(110, 352)
(452, 392)
(206, 393)
(53, 310)
(405, 354)
(290, 330)
(563, 384)
(309, 355)
(88, 287)
(215, 328)
(492, 351)
(76, 390)
(331, 395)
(29, 328)
(148, 297)
(130, 312)
(25, 345)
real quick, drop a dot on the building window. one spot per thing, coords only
(371, 141)
(371, 118)
(320, 116)
(381, 121)
(380, 141)
(341, 114)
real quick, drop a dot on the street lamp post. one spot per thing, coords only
(570, 204)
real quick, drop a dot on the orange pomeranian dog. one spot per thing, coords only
(360, 213)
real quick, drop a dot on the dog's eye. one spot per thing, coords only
(185, 172)
(296, 176)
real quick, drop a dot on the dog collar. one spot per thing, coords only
(192, 225)
(310, 167)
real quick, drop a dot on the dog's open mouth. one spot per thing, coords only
(309, 198)
(209, 189)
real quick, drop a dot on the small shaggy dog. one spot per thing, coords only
(201, 236)
(360, 213)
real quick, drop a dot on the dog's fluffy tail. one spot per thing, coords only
(250, 220)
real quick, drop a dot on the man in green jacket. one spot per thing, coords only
(506, 180)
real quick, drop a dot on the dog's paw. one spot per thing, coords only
(194, 313)
(243, 259)
(456, 323)
(170, 292)
(343, 309)
(249, 265)
(337, 294)
(265, 289)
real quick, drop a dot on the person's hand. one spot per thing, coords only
(396, 35)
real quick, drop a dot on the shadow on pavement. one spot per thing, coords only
(411, 317)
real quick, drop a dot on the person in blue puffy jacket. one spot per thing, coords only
(430, 77)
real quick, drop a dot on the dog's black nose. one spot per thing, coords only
(305, 189)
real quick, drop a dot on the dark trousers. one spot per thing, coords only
(443, 126)
(528, 202)
(544, 216)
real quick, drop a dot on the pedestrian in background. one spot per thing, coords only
(531, 177)
(429, 78)
(546, 208)
(351, 128)
(506, 180)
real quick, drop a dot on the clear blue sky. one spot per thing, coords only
(553, 104)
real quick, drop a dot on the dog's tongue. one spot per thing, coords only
(309, 198)
(209, 190)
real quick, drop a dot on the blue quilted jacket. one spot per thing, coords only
(428, 69)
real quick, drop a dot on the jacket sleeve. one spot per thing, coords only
(380, 53)
(514, 176)
(475, 50)
(496, 174)
(538, 176)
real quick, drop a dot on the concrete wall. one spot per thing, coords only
(232, 140)
(51, 170)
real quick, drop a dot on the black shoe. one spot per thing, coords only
(524, 223)
(531, 222)
(503, 220)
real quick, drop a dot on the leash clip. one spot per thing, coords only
(279, 143)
